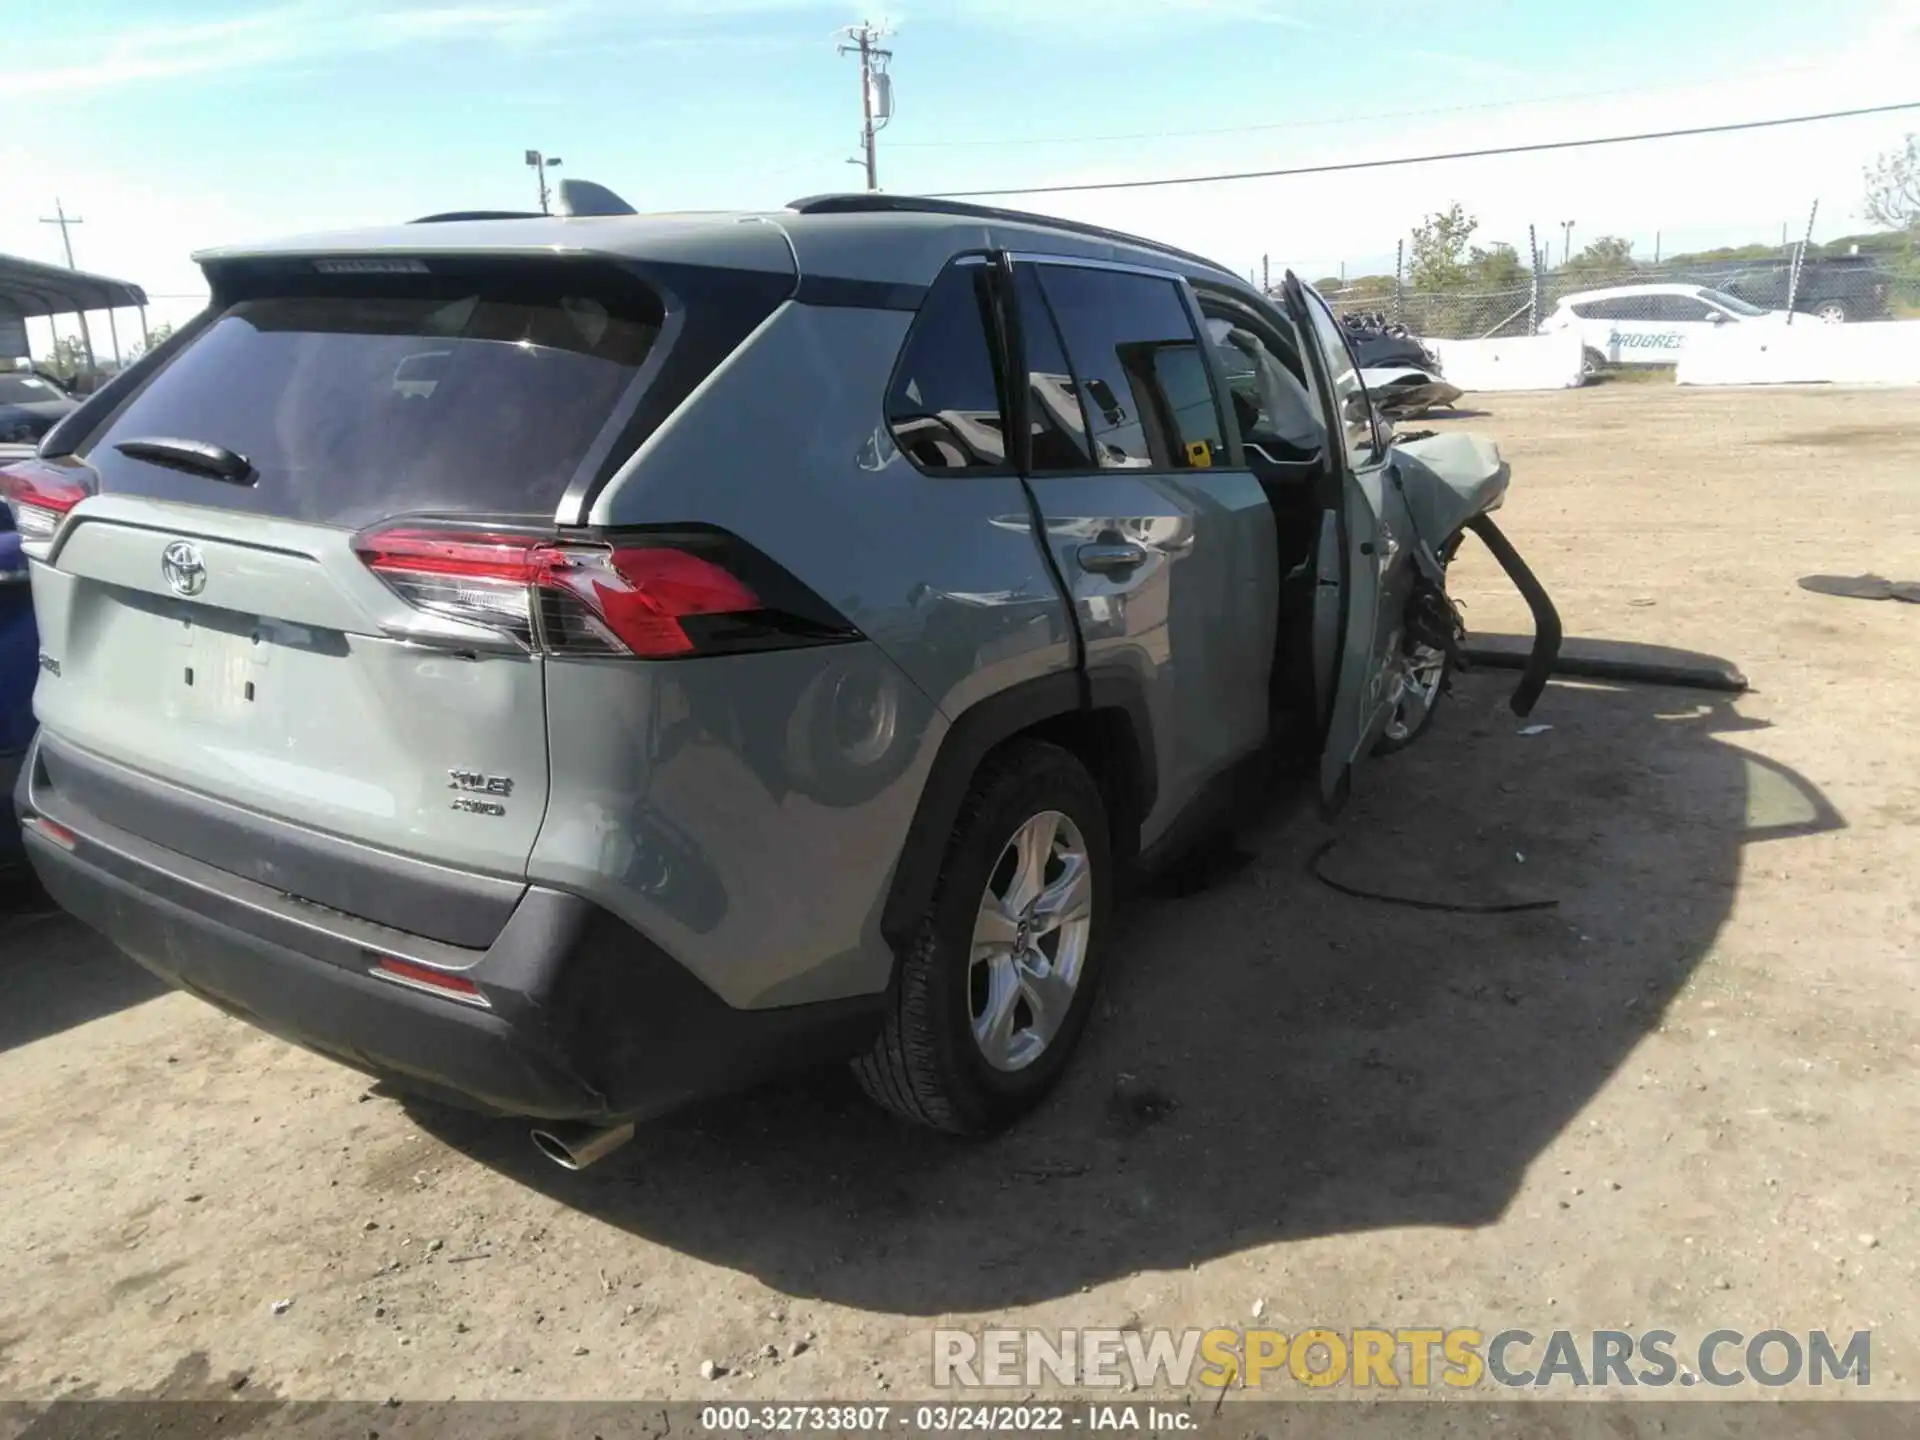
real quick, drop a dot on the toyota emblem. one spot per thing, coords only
(184, 568)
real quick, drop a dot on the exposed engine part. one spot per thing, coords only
(1433, 621)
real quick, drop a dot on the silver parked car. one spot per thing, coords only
(574, 665)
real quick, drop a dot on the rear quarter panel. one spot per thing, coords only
(748, 812)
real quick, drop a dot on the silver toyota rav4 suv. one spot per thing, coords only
(574, 665)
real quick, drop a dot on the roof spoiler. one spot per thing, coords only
(576, 197)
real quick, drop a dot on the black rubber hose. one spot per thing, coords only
(1546, 620)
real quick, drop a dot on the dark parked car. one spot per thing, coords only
(1835, 289)
(30, 405)
(19, 648)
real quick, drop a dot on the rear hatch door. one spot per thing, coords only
(213, 625)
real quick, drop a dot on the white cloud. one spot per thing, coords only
(267, 37)
(1121, 20)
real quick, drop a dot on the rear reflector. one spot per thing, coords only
(656, 600)
(47, 830)
(40, 497)
(425, 977)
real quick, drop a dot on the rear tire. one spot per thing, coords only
(1831, 312)
(1592, 362)
(988, 1003)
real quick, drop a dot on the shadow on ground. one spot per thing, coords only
(54, 972)
(1273, 1060)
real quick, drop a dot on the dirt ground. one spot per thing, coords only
(1684, 1098)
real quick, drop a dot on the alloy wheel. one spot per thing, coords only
(1417, 688)
(1030, 941)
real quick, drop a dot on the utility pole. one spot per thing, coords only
(1566, 241)
(876, 91)
(1266, 274)
(540, 164)
(65, 221)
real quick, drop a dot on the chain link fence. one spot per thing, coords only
(1831, 288)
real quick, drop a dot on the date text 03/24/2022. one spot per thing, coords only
(943, 1419)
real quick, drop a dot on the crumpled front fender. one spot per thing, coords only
(1449, 479)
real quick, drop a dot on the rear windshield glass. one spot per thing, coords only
(26, 390)
(360, 397)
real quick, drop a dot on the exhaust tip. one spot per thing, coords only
(575, 1147)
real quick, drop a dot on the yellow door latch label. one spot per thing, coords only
(1200, 454)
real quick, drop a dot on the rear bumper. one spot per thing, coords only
(585, 1018)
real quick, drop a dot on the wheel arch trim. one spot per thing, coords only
(990, 723)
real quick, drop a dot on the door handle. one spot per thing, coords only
(1108, 557)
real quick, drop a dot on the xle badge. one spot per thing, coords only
(473, 784)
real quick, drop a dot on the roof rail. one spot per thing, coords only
(868, 202)
(449, 215)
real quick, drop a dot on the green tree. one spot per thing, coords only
(1369, 287)
(1438, 261)
(1607, 256)
(67, 358)
(156, 337)
(1724, 252)
(1497, 267)
(1893, 188)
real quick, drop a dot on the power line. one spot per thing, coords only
(1428, 159)
(1325, 121)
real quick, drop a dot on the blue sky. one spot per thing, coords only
(171, 125)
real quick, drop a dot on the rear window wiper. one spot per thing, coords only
(196, 457)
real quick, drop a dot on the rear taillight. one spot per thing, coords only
(39, 495)
(657, 597)
(479, 578)
(633, 599)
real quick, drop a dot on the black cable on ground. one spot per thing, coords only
(1511, 907)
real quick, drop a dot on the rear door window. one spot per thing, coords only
(1145, 383)
(359, 397)
(1055, 418)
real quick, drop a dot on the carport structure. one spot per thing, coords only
(30, 289)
